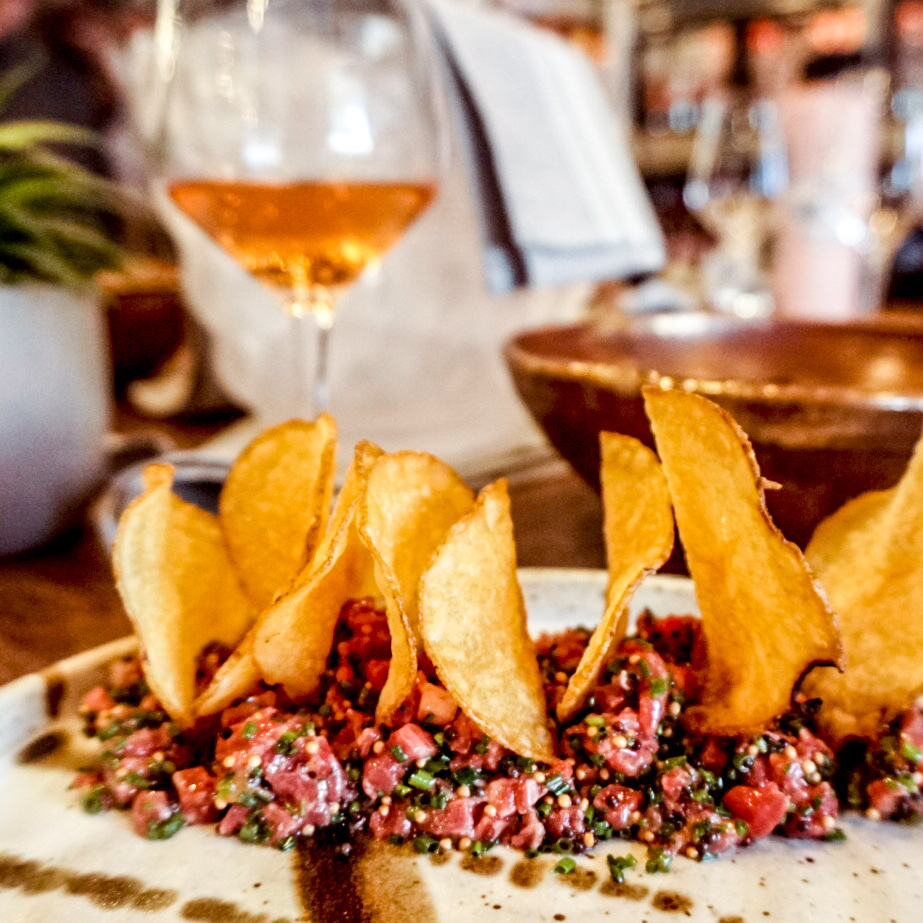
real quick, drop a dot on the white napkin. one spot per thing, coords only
(560, 196)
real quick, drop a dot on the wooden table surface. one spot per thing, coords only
(61, 599)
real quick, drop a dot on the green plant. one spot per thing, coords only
(56, 218)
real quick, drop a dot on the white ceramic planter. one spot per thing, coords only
(55, 405)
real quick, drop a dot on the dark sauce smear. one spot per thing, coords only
(327, 879)
(42, 747)
(360, 881)
(580, 879)
(107, 892)
(55, 691)
(628, 891)
(482, 865)
(117, 892)
(671, 902)
(213, 910)
(528, 873)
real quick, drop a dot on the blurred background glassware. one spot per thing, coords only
(738, 170)
(899, 205)
(856, 161)
(304, 182)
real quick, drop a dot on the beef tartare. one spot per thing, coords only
(269, 770)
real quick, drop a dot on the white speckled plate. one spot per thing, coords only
(58, 863)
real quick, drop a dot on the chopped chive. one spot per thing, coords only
(425, 844)
(658, 861)
(248, 730)
(556, 784)
(618, 865)
(93, 801)
(164, 829)
(421, 779)
(465, 776)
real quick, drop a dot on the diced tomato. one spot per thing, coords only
(436, 705)
(415, 743)
(762, 809)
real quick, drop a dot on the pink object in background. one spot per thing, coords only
(824, 236)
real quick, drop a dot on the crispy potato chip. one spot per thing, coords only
(236, 677)
(178, 586)
(294, 636)
(638, 529)
(410, 502)
(765, 620)
(844, 537)
(869, 558)
(274, 504)
(473, 624)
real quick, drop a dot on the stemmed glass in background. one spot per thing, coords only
(809, 193)
(738, 170)
(899, 199)
(303, 137)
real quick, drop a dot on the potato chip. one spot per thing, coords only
(178, 586)
(764, 618)
(845, 535)
(869, 558)
(274, 504)
(293, 638)
(638, 529)
(473, 624)
(236, 677)
(410, 502)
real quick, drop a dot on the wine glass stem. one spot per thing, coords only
(318, 303)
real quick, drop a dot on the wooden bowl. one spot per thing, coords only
(832, 410)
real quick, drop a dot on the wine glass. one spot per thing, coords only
(303, 137)
(898, 205)
(737, 173)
